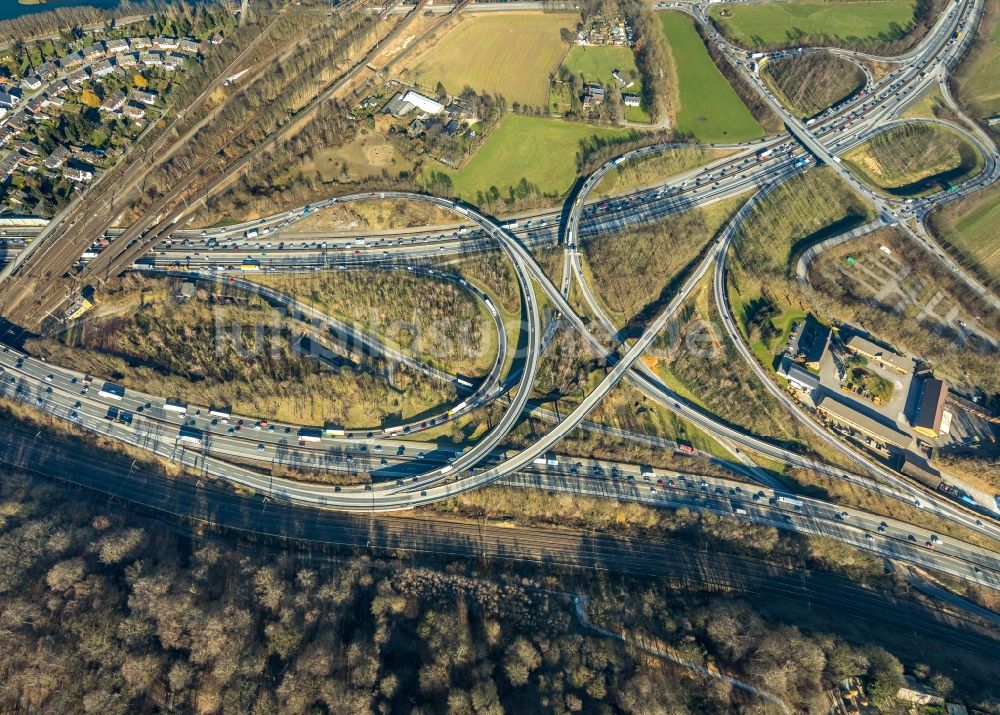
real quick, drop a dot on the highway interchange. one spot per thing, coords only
(406, 477)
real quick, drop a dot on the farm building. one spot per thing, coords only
(623, 81)
(424, 104)
(402, 104)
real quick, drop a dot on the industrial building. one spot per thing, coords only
(809, 343)
(930, 407)
(882, 356)
(797, 376)
(845, 415)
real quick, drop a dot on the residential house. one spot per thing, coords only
(9, 164)
(216, 39)
(134, 112)
(35, 106)
(457, 110)
(7, 133)
(27, 148)
(151, 59)
(18, 120)
(53, 101)
(8, 100)
(46, 71)
(57, 158)
(103, 68)
(127, 60)
(593, 96)
(79, 176)
(77, 78)
(137, 44)
(797, 376)
(116, 47)
(189, 47)
(31, 83)
(396, 107)
(165, 43)
(70, 61)
(90, 156)
(94, 52)
(114, 102)
(173, 61)
(144, 97)
(631, 100)
(57, 88)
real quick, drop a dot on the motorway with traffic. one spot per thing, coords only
(406, 473)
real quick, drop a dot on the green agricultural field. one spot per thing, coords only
(978, 78)
(915, 160)
(970, 226)
(811, 82)
(508, 54)
(784, 24)
(708, 107)
(543, 151)
(595, 64)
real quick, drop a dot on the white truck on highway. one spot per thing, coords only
(310, 434)
(789, 501)
(172, 405)
(112, 391)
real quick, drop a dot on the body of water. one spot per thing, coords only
(12, 8)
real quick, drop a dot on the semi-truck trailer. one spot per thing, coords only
(789, 501)
(112, 391)
(177, 406)
(310, 434)
(190, 435)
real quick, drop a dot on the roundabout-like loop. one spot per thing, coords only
(429, 483)
(327, 328)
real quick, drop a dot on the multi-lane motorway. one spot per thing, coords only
(210, 447)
